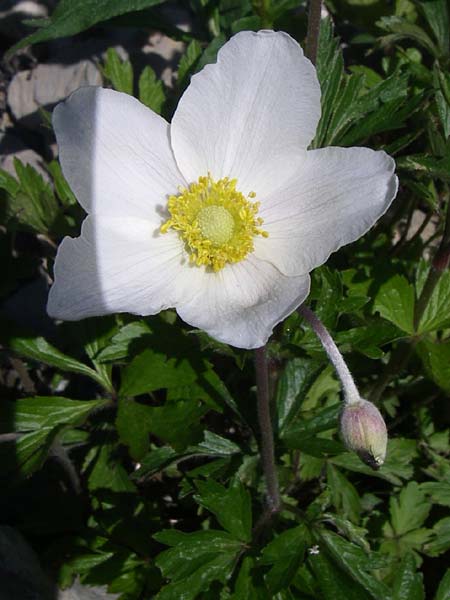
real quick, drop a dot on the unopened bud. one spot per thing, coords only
(364, 431)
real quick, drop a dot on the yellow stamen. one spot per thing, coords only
(216, 221)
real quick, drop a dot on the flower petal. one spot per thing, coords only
(115, 153)
(337, 196)
(119, 265)
(251, 115)
(242, 303)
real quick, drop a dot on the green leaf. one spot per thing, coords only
(400, 29)
(410, 510)
(8, 183)
(43, 412)
(356, 563)
(177, 423)
(344, 496)
(27, 454)
(438, 491)
(119, 72)
(395, 302)
(294, 383)
(334, 584)
(151, 90)
(304, 429)
(65, 194)
(152, 370)
(231, 507)
(435, 357)
(437, 15)
(408, 584)
(443, 591)
(33, 204)
(286, 553)
(72, 16)
(195, 561)
(130, 339)
(440, 542)
(428, 165)
(437, 312)
(106, 471)
(37, 348)
(188, 63)
(246, 587)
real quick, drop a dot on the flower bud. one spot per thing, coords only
(364, 431)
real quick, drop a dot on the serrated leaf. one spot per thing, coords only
(65, 194)
(151, 90)
(72, 16)
(437, 312)
(356, 563)
(188, 62)
(293, 385)
(395, 302)
(435, 357)
(107, 472)
(152, 370)
(437, 15)
(37, 348)
(286, 553)
(126, 343)
(231, 506)
(443, 591)
(195, 561)
(438, 491)
(410, 510)
(304, 429)
(408, 584)
(119, 72)
(42, 412)
(440, 541)
(344, 495)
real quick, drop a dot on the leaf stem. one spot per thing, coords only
(312, 35)
(266, 431)
(351, 394)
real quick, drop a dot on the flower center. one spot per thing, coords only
(216, 222)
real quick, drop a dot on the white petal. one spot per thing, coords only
(119, 265)
(242, 303)
(251, 115)
(337, 196)
(115, 153)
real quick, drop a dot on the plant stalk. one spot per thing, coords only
(266, 431)
(312, 35)
(351, 394)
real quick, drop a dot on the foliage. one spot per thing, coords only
(136, 438)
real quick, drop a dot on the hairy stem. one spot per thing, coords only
(266, 431)
(312, 36)
(351, 394)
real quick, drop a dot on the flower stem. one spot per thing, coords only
(351, 394)
(312, 36)
(266, 430)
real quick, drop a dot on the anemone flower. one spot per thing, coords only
(223, 213)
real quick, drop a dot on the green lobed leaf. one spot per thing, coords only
(188, 63)
(395, 302)
(437, 312)
(293, 385)
(195, 561)
(435, 357)
(151, 90)
(73, 16)
(42, 412)
(286, 553)
(408, 583)
(440, 541)
(344, 495)
(443, 591)
(231, 507)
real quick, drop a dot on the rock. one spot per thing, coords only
(21, 575)
(82, 592)
(13, 13)
(11, 147)
(46, 85)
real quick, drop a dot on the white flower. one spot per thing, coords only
(221, 214)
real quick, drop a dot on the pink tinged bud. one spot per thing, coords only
(364, 432)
